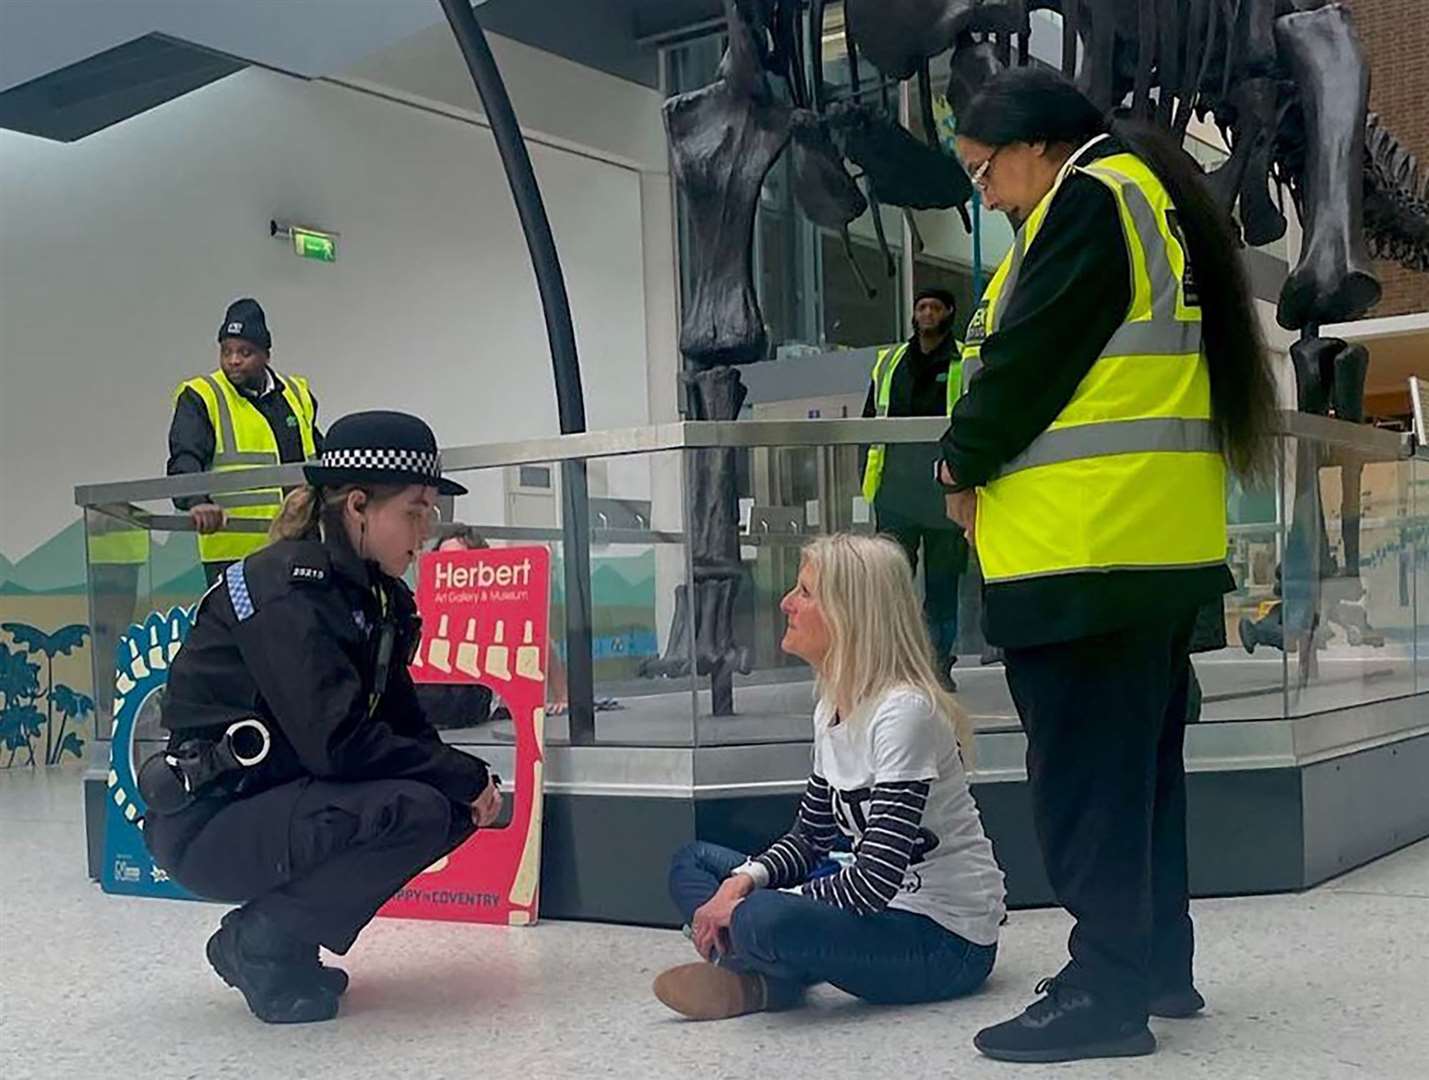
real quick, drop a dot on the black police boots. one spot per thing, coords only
(305, 962)
(1068, 1024)
(1177, 1004)
(280, 978)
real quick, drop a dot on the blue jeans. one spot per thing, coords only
(894, 957)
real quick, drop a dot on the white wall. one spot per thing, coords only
(119, 253)
(552, 97)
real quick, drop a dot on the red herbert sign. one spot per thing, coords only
(485, 620)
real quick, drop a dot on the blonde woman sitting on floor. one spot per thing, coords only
(913, 914)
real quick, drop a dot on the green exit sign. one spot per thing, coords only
(309, 244)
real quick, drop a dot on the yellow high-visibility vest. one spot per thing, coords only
(111, 542)
(883, 368)
(243, 439)
(1128, 476)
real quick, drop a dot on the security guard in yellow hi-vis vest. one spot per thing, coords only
(1113, 369)
(920, 377)
(242, 416)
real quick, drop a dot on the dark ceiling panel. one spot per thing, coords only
(658, 18)
(597, 33)
(111, 86)
(609, 35)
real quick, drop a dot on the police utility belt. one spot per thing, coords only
(173, 780)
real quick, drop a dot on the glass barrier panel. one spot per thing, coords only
(1239, 666)
(637, 567)
(1349, 623)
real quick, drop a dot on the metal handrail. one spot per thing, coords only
(692, 435)
(141, 519)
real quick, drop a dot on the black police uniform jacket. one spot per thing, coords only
(291, 636)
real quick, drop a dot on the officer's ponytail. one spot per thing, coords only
(308, 510)
(300, 516)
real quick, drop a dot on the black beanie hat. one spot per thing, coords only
(245, 319)
(943, 296)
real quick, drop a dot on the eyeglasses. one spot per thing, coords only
(979, 175)
(426, 518)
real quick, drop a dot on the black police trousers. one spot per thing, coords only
(317, 858)
(1105, 719)
(945, 557)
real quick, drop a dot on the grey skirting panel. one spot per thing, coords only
(1273, 806)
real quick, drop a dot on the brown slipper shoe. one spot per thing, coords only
(709, 992)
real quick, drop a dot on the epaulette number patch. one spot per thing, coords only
(309, 573)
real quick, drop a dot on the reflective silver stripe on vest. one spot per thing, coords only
(304, 410)
(1155, 337)
(225, 418)
(231, 456)
(1153, 244)
(1156, 435)
(1163, 334)
(972, 365)
(250, 498)
(1019, 252)
(249, 458)
(883, 369)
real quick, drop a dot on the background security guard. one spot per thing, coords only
(921, 377)
(301, 777)
(1107, 389)
(243, 415)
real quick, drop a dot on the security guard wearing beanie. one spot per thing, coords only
(920, 377)
(301, 778)
(243, 415)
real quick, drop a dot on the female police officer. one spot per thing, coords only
(1114, 368)
(301, 777)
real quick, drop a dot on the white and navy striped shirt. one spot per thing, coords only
(889, 782)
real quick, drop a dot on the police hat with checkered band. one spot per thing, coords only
(380, 448)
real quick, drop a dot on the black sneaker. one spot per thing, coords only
(1177, 1004)
(276, 990)
(1066, 1025)
(307, 965)
(332, 979)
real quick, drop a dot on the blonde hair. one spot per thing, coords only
(878, 640)
(308, 510)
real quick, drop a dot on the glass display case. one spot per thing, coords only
(1320, 653)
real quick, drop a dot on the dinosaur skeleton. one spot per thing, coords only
(1285, 81)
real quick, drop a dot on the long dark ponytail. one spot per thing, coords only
(1032, 105)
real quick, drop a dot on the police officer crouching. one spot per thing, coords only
(301, 778)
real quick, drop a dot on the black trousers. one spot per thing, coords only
(1105, 719)
(317, 858)
(945, 557)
